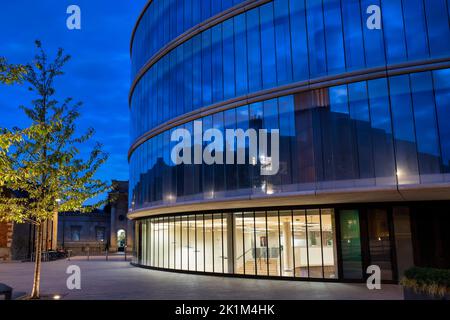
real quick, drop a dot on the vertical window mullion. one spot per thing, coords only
(267, 245)
(293, 243)
(243, 241)
(223, 254)
(307, 241)
(279, 245)
(321, 242)
(254, 239)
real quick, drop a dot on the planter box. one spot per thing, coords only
(410, 294)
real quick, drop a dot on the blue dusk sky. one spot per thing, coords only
(98, 73)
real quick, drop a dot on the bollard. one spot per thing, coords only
(106, 254)
(68, 254)
(89, 253)
(125, 250)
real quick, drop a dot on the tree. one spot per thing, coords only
(43, 162)
(10, 73)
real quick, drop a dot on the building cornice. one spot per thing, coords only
(406, 193)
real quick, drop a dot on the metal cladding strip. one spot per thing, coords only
(136, 25)
(190, 33)
(312, 84)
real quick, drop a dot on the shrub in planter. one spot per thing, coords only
(426, 283)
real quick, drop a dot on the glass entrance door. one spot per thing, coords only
(351, 244)
(380, 241)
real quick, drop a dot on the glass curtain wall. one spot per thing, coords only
(299, 243)
(379, 132)
(278, 43)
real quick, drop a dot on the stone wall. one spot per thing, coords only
(6, 232)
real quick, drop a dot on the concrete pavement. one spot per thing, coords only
(118, 280)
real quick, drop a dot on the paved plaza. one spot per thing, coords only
(116, 279)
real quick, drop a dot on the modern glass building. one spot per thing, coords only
(363, 116)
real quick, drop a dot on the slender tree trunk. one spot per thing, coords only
(37, 265)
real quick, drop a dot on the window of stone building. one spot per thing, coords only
(75, 233)
(100, 234)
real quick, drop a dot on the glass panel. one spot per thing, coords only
(239, 256)
(438, 30)
(166, 242)
(333, 35)
(330, 267)
(379, 242)
(300, 244)
(153, 240)
(426, 126)
(218, 254)
(185, 244)
(273, 235)
(200, 252)
(415, 29)
(261, 243)
(227, 248)
(161, 243)
(268, 46)
(442, 92)
(209, 257)
(287, 250)
(359, 113)
(394, 30)
(299, 38)
(373, 39)
(403, 121)
(351, 244)
(144, 243)
(178, 246)
(315, 257)
(192, 243)
(249, 243)
(316, 38)
(353, 37)
(381, 132)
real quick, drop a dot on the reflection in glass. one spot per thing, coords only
(199, 252)
(287, 249)
(315, 257)
(185, 244)
(380, 242)
(249, 243)
(217, 235)
(351, 244)
(300, 244)
(273, 236)
(261, 243)
(239, 256)
(209, 248)
(330, 268)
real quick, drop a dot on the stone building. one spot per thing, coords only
(99, 230)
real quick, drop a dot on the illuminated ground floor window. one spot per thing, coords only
(288, 243)
(336, 243)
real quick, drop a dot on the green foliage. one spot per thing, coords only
(43, 162)
(427, 280)
(10, 74)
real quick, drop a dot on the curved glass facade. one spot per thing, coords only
(283, 42)
(289, 243)
(164, 20)
(371, 133)
(356, 108)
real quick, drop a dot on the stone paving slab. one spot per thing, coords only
(118, 280)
